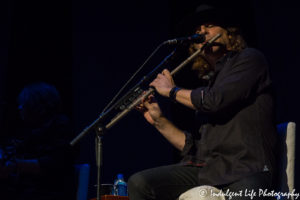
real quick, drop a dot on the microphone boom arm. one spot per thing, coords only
(152, 90)
(137, 101)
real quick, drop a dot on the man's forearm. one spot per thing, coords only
(183, 96)
(174, 135)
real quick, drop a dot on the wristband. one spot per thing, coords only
(173, 92)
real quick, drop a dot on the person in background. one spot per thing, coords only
(38, 164)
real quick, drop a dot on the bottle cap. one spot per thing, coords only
(120, 176)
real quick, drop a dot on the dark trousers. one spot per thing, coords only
(168, 182)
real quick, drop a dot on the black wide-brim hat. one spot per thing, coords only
(221, 16)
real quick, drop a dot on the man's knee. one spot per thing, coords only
(137, 182)
(138, 187)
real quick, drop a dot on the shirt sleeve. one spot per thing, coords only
(188, 143)
(235, 83)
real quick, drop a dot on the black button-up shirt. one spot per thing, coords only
(237, 131)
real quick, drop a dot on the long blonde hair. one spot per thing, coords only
(236, 40)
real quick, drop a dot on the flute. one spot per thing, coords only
(152, 90)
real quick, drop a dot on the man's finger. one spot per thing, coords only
(141, 108)
(167, 73)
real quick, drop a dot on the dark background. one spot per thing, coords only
(88, 50)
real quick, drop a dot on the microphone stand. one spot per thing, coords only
(100, 129)
(98, 145)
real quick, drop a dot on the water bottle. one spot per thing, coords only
(120, 186)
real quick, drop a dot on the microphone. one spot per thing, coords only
(197, 38)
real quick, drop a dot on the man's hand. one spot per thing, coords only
(150, 109)
(163, 83)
